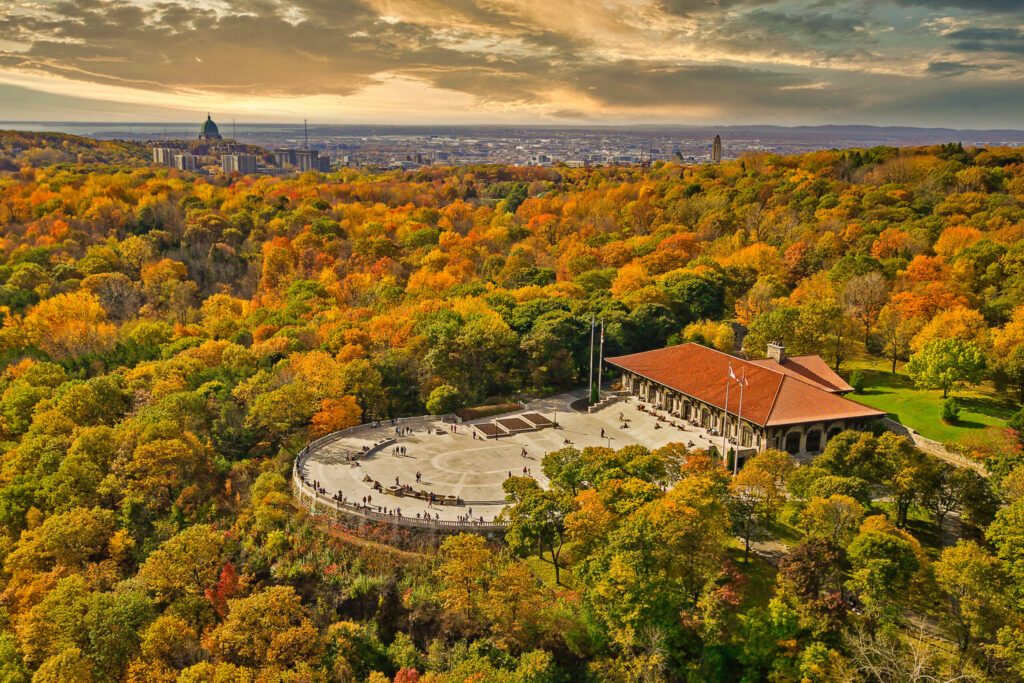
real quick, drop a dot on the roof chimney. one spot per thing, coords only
(776, 352)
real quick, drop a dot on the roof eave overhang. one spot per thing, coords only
(695, 398)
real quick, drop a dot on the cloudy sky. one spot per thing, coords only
(900, 62)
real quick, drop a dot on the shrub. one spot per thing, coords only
(857, 382)
(443, 399)
(486, 411)
(950, 410)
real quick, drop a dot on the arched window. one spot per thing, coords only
(793, 443)
(814, 441)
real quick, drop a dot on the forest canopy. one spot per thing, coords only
(171, 340)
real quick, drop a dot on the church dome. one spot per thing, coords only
(210, 131)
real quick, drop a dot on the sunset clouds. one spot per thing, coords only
(925, 62)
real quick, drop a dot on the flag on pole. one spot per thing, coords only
(732, 373)
(745, 382)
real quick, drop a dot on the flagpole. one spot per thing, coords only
(725, 431)
(590, 387)
(739, 425)
(600, 361)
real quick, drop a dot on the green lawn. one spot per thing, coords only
(545, 571)
(921, 409)
(760, 576)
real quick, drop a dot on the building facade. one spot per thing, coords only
(792, 404)
(186, 162)
(238, 163)
(164, 156)
(716, 150)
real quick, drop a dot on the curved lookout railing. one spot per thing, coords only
(319, 502)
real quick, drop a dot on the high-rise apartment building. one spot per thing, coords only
(716, 150)
(238, 163)
(186, 162)
(164, 156)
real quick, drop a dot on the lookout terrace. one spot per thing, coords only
(444, 475)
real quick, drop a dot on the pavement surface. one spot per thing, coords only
(456, 464)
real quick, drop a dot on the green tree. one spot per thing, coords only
(973, 584)
(883, 563)
(564, 469)
(776, 325)
(834, 519)
(946, 364)
(955, 489)
(537, 522)
(113, 624)
(444, 399)
(1006, 533)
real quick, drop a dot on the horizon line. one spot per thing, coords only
(531, 125)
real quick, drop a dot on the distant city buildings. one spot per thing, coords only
(300, 150)
(301, 160)
(284, 158)
(238, 163)
(164, 156)
(186, 162)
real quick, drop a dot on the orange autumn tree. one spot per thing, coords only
(335, 414)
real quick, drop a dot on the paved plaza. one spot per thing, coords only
(473, 469)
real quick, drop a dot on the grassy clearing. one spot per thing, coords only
(760, 576)
(545, 571)
(921, 409)
(785, 528)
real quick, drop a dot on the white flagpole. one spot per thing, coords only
(739, 426)
(590, 387)
(600, 361)
(725, 431)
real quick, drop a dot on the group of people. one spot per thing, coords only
(403, 431)
(398, 450)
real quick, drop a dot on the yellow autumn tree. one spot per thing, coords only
(70, 326)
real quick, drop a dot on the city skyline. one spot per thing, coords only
(952, 63)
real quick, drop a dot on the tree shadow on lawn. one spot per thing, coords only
(967, 424)
(990, 407)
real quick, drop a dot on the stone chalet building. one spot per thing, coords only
(794, 404)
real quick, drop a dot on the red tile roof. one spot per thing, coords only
(792, 393)
(810, 369)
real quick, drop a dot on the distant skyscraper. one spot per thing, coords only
(284, 158)
(310, 160)
(210, 130)
(716, 150)
(164, 156)
(186, 162)
(238, 163)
